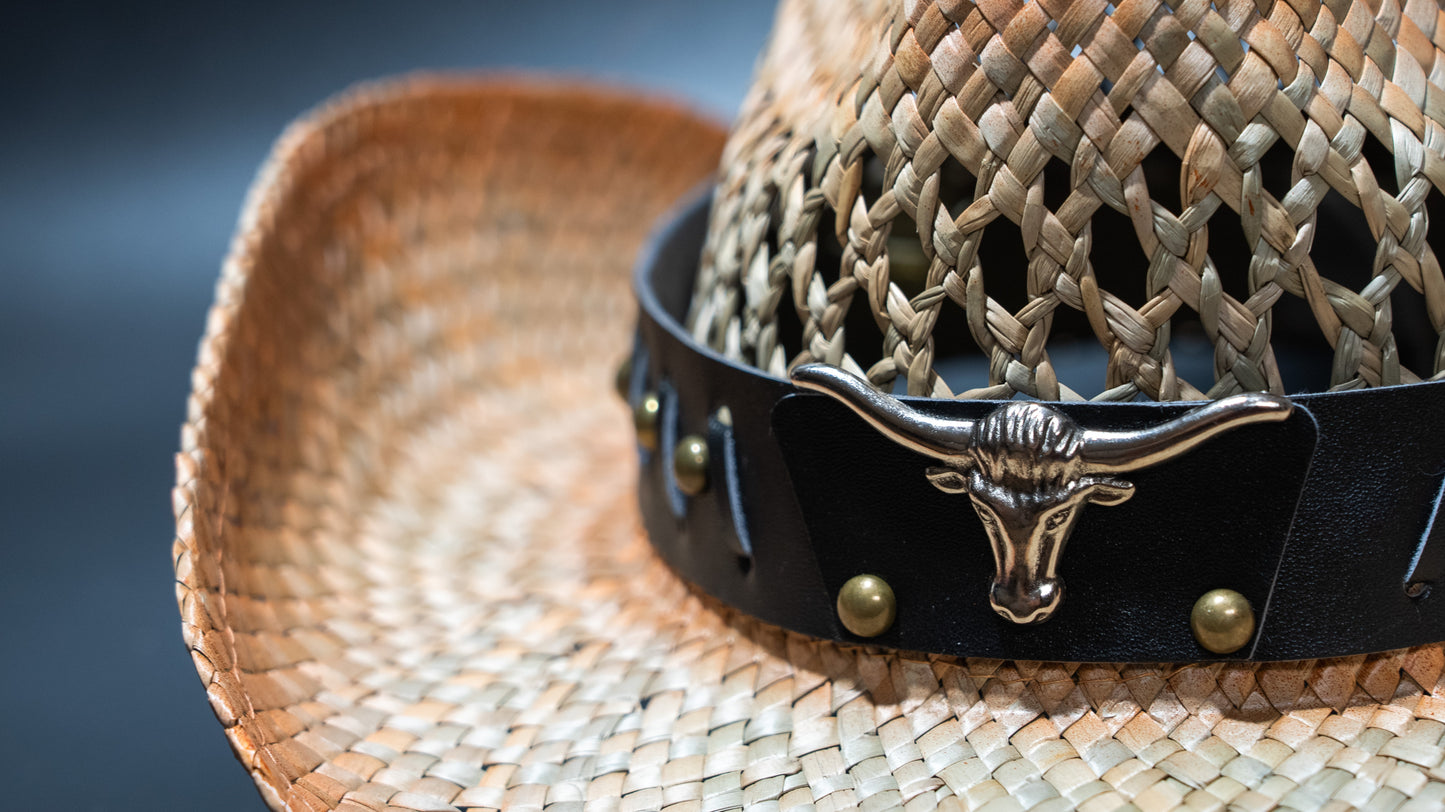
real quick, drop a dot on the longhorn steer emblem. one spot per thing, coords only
(1029, 470)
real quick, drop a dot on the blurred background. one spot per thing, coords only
(128, 136)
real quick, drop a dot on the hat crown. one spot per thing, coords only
(1213, 198)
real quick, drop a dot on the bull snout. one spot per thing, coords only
(1026, 601)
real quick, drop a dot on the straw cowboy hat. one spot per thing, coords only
(970, 281)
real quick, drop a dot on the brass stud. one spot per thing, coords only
(1222, 620)
(689, 465)
(645, 417)
(623, 381)
(866, 605)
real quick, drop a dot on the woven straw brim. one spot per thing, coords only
(410, 568)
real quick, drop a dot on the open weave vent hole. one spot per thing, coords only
(1009, 199)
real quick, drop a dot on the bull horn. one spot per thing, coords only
(946, 440)
(1119, 451)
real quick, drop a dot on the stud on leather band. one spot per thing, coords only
(1311, 511)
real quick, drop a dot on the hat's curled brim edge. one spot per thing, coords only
(408, 560)
(494, 221)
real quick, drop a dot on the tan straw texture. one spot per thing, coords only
(905, 160)
(411, 574)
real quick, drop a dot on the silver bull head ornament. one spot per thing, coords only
(1029, 470)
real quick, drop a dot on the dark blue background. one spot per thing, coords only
(128, 136)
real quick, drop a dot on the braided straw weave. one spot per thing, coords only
(907, 159)
(411, 574)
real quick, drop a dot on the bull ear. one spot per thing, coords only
(1109, 491)
(948, 480)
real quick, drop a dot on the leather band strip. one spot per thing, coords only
(1323, 521)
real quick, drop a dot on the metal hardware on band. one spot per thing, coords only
(1029, 470)
(1315, 516)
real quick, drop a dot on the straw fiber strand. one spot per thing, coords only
(945, 145)
(410, 570)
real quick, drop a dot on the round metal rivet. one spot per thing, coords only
(1222, 620)
(866, 605)
(645, 416)
(623, 381)
(689, 465)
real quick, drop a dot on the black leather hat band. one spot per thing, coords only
(1322, 513)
